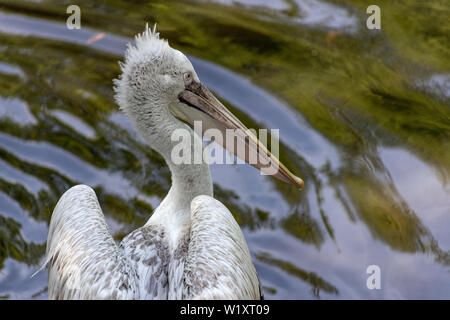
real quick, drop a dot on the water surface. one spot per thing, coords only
(364, 118)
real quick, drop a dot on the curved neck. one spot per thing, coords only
(188, 179)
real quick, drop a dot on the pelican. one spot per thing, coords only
(191, 247)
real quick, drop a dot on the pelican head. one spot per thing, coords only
(159, 87)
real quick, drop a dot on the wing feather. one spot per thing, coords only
(82, 258)
(218, 263)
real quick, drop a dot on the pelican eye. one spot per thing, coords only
(187, 76)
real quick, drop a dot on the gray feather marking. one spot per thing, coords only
(148, 254)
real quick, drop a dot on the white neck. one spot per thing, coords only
(188, 180)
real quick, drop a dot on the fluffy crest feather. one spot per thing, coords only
(148, 34)
(147, 42)
(148, 46)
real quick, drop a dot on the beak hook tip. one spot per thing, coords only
(299, 183)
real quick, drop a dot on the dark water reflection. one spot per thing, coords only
(374, 200)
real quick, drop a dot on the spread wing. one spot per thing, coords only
(82, 258)
(218, 264)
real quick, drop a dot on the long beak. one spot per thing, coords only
(201, 105)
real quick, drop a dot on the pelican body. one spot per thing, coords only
(191, 247)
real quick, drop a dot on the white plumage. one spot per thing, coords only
(191, 247)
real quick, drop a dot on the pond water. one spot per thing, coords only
(364, 119)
